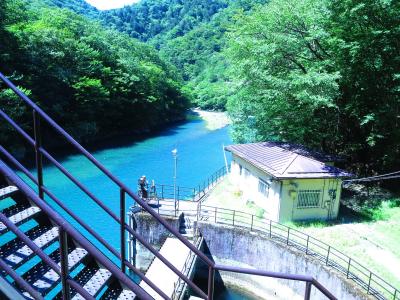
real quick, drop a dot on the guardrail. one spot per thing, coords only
(330, 256)
(187, 266)
(165, 191)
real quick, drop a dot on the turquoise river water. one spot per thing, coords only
(199, 155)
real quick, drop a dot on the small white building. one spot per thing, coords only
(287, 180)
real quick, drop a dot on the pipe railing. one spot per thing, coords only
(38, 116)
(68, 229)
(330, 256)
(166, 191)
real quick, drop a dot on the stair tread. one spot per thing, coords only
(95, 283)
(16, 251)
(43, 278)
(21, 216)
(126, 295)
(115, 291)
(7, 191)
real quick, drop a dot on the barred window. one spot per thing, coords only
(308, 198)
(240, 170)
(246, 173)
(263, 187)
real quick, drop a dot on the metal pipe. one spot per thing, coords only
(29, 242)
(122, 229)
(84, 293)
(71, 231)
(307, 292)
(38, 155)
(20, 281)
(211, 274)
(64, 263)
(89, 156)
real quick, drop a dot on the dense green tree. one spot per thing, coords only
(321, 73)
(280, 53)
(95, 82)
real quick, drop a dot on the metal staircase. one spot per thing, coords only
(44, 256)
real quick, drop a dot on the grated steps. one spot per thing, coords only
(15, 252)
(43, 278)
(115, 291)
(18, 214)
(7, 191)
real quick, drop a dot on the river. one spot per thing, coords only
(199, 155)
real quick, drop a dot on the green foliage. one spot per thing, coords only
(95, 82)
(320, 73)
(190, 35)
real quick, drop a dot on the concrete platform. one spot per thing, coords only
(176, 253)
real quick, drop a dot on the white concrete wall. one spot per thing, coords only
(249, 186)
(327, 208)
(282, 201)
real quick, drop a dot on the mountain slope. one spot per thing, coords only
(191, 35)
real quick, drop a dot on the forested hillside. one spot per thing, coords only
(322, 73)
(189, 34)
(95, 82)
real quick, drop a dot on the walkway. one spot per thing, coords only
(176, 253)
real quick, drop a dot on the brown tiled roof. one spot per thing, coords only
(275, 159)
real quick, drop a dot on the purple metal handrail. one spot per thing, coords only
(39, 151)
(83, 188)
(20, 281)
(19, 166)
(69, 229)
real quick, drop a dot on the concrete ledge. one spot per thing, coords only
(240, 247)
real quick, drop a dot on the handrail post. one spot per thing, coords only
(348, 268)
(122, 229)
(308, 240)
(233, 218)
(288, 232)
(251, 226)
(38, 155)
(327, 256)
(307, 293)
(64, 263)
(270, 228)
(215, 215)
(211, 273)
(369, 282)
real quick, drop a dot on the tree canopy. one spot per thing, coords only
(321, 73)
(96, 82)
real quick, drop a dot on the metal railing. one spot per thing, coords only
(330, 256)
(64, 229)
(164, 191)
(187, 267)
(40, 152)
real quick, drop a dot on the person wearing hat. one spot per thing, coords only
(143, 186)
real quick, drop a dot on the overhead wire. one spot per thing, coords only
(392, 175)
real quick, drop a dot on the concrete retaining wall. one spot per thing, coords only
(154, 233)
(240, 247)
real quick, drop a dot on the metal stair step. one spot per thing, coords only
(95, 283)
(16, 252)
(7, 191)
(115, 291)
(43, 278)
(20, 216)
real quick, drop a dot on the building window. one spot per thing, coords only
(246, 173)
(240, 170)
(263, 187)
(308, 198)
